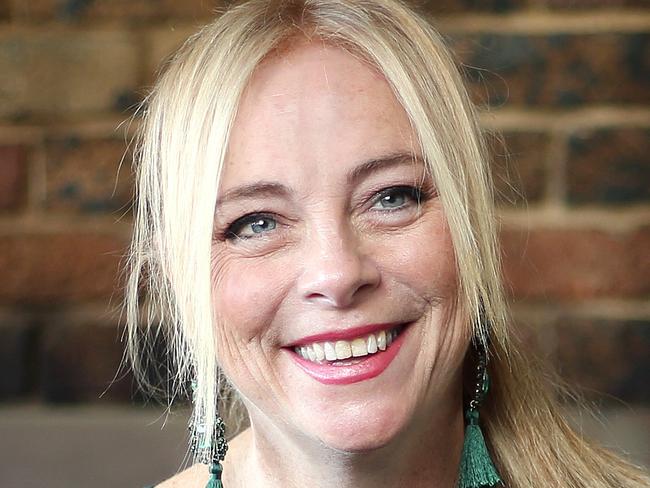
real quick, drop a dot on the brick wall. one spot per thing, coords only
(564, 81)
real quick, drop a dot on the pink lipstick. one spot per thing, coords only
(353, 369)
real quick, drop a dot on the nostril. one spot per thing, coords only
(332, 300)
(339, 289)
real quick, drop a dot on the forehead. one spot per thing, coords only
(310, 108)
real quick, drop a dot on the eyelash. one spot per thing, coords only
(417, 195)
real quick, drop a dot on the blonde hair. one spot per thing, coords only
(179, 158)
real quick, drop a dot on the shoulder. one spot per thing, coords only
(198, 475)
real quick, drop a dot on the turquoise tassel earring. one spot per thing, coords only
(476, 467)
(218, 455)
(209, 449)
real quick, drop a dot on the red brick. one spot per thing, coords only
(129, 10)
(85, 176)
(566, 264)
(13, 177)
(34, 9)
(161, 44)
(609, 166)
(79, 363)
(590, 4)
(605, 358)
(558, 70)
(59, 72)
(460, 6)
(43, 268)
(193, 9)
(497, 6)
(4, 10)
(518, 165)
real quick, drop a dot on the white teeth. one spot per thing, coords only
(339, 350)
(372, 344)
(381, 341)
(311, 354)
(343, 349)
(330, 352)
(319, 351)
(359, 348)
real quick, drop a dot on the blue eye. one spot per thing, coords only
(257, 223)
(396, 197)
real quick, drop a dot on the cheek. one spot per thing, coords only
(427, 263)
(246, 294)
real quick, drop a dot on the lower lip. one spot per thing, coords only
(367, 368)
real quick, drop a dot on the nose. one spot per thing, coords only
(335, 269)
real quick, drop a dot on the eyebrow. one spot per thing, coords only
(361, 171)
(370, 166)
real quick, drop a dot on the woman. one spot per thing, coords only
(314, 221)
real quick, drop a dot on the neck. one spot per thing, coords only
(426, 454)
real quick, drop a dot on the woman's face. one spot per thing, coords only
(328, 236)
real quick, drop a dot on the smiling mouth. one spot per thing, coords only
(349, 352)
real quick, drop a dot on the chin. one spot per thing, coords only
(362, 429)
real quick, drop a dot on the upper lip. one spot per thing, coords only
(342, 335)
